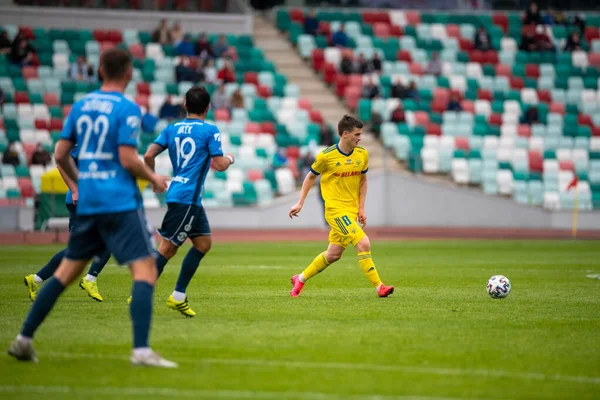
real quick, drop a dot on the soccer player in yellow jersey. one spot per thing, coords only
(343, 169)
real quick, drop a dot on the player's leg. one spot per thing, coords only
(89, 282)
(178, 299)
(128, 236)
(363, 249)
(33, 281)
(319, 264)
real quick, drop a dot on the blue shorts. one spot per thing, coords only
(127, 235)
(71, 208)
(184, 221)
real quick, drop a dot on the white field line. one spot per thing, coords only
(200, 393)
(439, 371)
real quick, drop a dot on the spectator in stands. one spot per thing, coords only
(326, 134)
(531, 116)
(279, 158)
(560, 18)
(573, 42)
(40, 156)
(398, 114)
(542, 39)
(434, 67)
(202, 48)
(579, 21)
(176, 34)
(162, 34)
(454, 103)
(220, 47)
(5, 44)
(80, 70)
(376, 63)
(532, 15)
(2, 97)
(398, 90)
(210, 72)
(340, 38)
(219, 98)
(22, 52)
(226, 74)
(362, 65)
(528, 42)
(370, 90)
(482, 39)
(171, 111)
(346, 65)
(237, 99)
(186, 47)
(311, 24)
(11, 157)
(185, 73)
(413, 92)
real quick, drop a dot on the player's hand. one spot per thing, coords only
(232, 158)
(295, 210)
(159, 183)
(362, 218)
(74, 196)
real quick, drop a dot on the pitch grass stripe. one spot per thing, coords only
(538, 376)
(199, 393)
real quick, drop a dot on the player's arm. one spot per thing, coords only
(128, 136)
(71, 184)
(66, 165)
(219, 161)
(154, 150)
(362, 196)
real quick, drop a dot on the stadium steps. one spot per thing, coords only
(287, 60)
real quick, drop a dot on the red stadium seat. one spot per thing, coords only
(468, 106)
(404, 55)
(141, 100)
(221, 114)
(297, 15)
(516, 82)
(355, 80)
(255, 175)
(106, 46)
(421, 118)
(495, 119)
(318, 59)
(584, 119)
(26, 187)
(485, 94)
(465, 44)
(304, 104)
(591, 33)
(524, 130)
(325, 28)
(477, 56)
(416, 69)
(29, 149)
(381, 29)
(352, 96)
(594, 59)
(268, 127)
(558, 108)
(143, 88)
(293, 152)
(329, 73)
(433, 129)
(532, 70)
(412, 17)
(51, 99)
(596, 131)
(453, 30)
(544, 96)
(396, 30)
(461, 143)
(566, 165)
(251, 77)
(341, 81)
(491, 57)
(264, 91)
(501, 20)
(66, 109)
(315, 116)
(41, 124)
(528, 30)
(136, 50)
(536, 161)
(21, 97)
(439, 105)
(56, 124)
(114, 36)
(503, 70)
(253, 127)
(100, 35)
(29, 72)
(441, 94)
(27, 32)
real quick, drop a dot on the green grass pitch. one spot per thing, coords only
(440, 336)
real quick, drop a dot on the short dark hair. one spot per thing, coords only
(114, 64)
(348, 123)
(197, 100)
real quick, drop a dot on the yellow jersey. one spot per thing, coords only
(340, 178)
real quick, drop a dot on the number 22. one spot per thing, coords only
(85, 125)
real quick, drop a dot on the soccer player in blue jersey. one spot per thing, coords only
(192, 144)
(88, 283)
(110, 215)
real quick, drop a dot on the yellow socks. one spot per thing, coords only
(318, 265)
(366, 264)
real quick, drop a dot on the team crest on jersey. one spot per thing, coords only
(349, 161)
(358, 162)
(182, 236)
(133, 121)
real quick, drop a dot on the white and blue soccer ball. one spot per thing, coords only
(498, 286)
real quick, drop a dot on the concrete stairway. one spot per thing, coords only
(288, 61)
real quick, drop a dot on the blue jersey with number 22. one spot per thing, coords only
(192, 143)
(98, 124)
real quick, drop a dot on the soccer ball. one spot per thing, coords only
(498, 286)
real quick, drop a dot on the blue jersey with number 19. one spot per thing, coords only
(191, 143)
(98, 124)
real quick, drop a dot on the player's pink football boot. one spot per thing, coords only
(385, 291)
(298, 286)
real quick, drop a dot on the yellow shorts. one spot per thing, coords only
(344, 229)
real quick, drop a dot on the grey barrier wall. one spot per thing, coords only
(393, 199)
(123, 19)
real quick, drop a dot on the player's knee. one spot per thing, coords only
(364, 245)
(144, 270)
(202, 243)
(167, 249)
(333, 257)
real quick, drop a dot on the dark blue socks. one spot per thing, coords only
(44, 302)
(48, 270)
(140, 310)
(161, 261)
(188, 269)
(99, 263)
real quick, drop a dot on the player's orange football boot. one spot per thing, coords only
(385, 291)
(298, 286)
